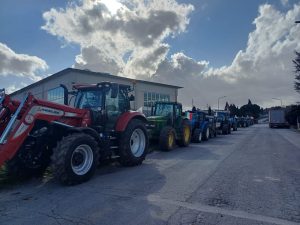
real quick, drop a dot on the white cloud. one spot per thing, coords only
(20, 65)
(260, 72)
(14, 87)
(129, 40)
(264, 69)
(107, 35)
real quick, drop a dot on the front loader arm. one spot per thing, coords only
(28, 112)
(8, 150)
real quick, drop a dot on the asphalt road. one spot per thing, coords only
(249, 177)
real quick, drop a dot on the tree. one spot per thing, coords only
(234, 111)
(250, 110)
(293, 113)
(296, 61)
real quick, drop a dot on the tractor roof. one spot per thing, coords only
(99, 85)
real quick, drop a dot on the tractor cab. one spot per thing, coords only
(222, 115)
(166, 112)
(105, 101)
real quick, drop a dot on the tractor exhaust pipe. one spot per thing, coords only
(66, 94)
(2, 95)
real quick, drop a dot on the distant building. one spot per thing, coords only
(146, 92)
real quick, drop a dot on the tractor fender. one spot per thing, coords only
(189, 122)
(70, 129)
(89, 131)
(126, 117)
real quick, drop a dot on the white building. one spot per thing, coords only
(145, 92)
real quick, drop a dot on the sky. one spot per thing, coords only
(238, 49)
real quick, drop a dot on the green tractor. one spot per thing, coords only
(168, 126)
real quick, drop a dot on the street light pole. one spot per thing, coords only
(219, 100)
(279, 100)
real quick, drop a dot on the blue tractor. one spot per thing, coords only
(223, 121)
(200, 125)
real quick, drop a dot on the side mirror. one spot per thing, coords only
(114, 90)
(131, 102)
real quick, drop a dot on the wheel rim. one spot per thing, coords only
(171, 140)
(186, 134)
(82, 159)
(137, 142)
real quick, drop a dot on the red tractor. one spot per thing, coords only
(72, 140)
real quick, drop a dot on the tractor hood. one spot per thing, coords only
(157, 118)
(155, 122)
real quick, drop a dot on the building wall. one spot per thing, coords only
(41, 91)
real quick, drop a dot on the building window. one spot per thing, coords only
(151, 97)
(56, 95)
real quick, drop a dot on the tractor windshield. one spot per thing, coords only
(163, 110)
(89, 99)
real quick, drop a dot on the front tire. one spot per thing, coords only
(167, 139)
(197, 136)
(133, 146)
(206, 134)
(75, 158)
(184, 134)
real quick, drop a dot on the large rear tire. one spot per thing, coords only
(134, 142)
(184, 134)
(75, 158)
(197, 136)
(167, 138)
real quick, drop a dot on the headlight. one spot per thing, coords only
(29, 119)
